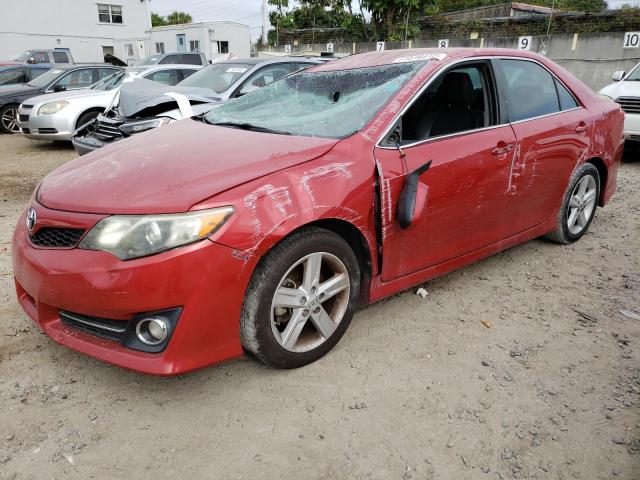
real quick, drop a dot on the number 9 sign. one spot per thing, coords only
(524, 43)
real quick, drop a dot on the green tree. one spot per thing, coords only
(390, 17)
(175, 18)
(157, 20)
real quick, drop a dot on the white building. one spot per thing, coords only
(211, 38)
(89, 28)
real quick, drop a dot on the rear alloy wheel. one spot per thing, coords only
(579, 205)
(301, 299)
(9, 119)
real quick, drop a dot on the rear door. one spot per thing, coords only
(455, 123)
(552, 132)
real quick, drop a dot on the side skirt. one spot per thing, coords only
(380, 289)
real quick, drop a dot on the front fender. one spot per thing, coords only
(338, 186)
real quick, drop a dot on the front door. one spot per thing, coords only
(461, 200)
(181, 42)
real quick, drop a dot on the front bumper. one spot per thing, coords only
(632, 127)
(205, 279)
(86, 144)
(44, 127)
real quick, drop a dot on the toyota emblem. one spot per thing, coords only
(31, 219)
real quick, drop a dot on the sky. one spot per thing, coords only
(247, 11)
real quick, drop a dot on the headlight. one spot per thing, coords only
(606, 97)
(137, 127)
(133, 236)
(53, 107)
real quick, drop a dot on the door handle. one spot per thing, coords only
(582, 127)
(502, 148)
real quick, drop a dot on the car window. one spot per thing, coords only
(170, 59)
(634, 76)
(109, 83)
(13, 76)
(39, 57)
(168, 77)
(106, 72)
(331, 104)
(267, 75)
(530, 88)
(191, 59)
(567, 100)
(36, 72)
(46, 78)
(459, 100)
(187, 72)
(60, 57)
(80, 78)
(218, 77)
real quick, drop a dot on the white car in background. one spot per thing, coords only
(55, 116)
(626, 92)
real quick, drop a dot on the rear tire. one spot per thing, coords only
(9, 119)
(301, 299)
(578, 205)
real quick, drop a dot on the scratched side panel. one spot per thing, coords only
(338, 185)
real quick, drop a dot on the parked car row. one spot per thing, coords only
(263, 224)
(626, 91)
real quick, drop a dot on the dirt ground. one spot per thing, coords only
(417, 389)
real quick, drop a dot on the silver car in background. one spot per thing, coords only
(55, 116)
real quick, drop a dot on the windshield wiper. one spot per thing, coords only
(248, 126)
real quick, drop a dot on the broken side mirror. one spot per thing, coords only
(407, 202)
(617, 76)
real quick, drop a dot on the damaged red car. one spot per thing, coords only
(261, 226)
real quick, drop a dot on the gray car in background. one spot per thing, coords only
(55, 116)
(141, 106)
(185, 58)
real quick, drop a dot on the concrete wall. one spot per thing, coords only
(591, 57)
(238, 35)
(74, 24)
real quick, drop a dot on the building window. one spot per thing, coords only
(223, 46)
(194, 45)
(129, 49)
(109, 13)
(159, 47)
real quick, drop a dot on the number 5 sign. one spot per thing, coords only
(632, 40)
(524, 43)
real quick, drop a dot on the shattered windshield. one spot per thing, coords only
(218, 77)
(333, 104)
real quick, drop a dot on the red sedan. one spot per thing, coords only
(263, 225)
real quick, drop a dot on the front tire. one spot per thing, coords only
(9, 119)
(578, 205)
(301, 299)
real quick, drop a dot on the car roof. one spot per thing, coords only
(28, 65)
(388, 57)
(268, 60)
(164, 66)
(85, 65)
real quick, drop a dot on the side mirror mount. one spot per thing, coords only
(247, 89)
(59, 88)
(617, 76)
(31, 60)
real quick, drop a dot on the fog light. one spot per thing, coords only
(152, 331)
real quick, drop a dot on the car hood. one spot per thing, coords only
(622, 89)
(172, 168)
(14, 90)
(59, 96)
(138, 94)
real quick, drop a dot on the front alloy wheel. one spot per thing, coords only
(301, 299)
(310, 302)
(9, 119)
